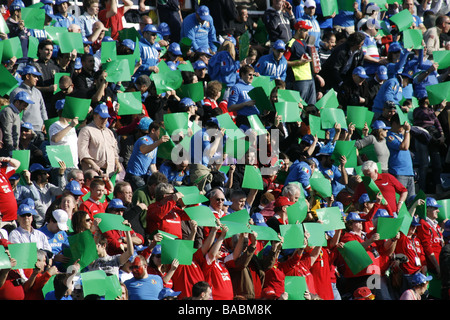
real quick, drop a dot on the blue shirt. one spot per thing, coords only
(171, 173)
(139, 163)
(346, 18)
(315, 31)
(223, 68)
(238, 94)
(56, 240)
(202, 35)
(199, 147)
(299, 171)
(144, 289)
(390, 90)
(334, 174)
(149, 56)
(268, 66)
(400, 161)
(65, 22)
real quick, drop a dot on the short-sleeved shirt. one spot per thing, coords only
(144, 289)
(115, 22)
(400, 161)
(139, 163)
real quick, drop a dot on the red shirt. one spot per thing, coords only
(217, 275)
(186, 276)
(93, 207)
(9, 291)
(115, 22)
(35, 292)
(115, 239)
(8, 203)
(412, 248)
(164, 216)
(299, 266)
(320, 271)
(430, 236)
(274, 279)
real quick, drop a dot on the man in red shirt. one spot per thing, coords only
(93, 205)
(112, 15)
(8, 203)
(387, 184)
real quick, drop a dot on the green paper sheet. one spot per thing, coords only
(240, 216)
(265, 83)
(345, 5)
(262, 100)
(297, 212)
(7, 81)
(195, 91)
(261, 34)
(129, 33)
(69, 41)
(236, 148)
(329, 100)
(94, 282)
(252, 178)
(257, 125)
(33, 18)
(3, 26)
(403, 20)
(186, 66)
(438, 92)
(231, 129)
(442, 58)
(322, 186)
(24, 157)
(108, 51)
(56, 153)
(359, 115)
(83, 247)
(167, 235)
(329, 7)
(129, 103)
(289, 111)
(331, 218)
(330, 116)
(110, 221)
(293, 236)
(112, 287)
(176, 122)
(296, 287)
(316, 234)
(315, 127)
(371, 187)
(444, 211)
(131, 61)
(381, 4)
(32, 47)
(54, 32)
(244, 45)
(412, 38)
(202, 215)
(406, 220)
(117, 70)
(12, 48)
(355, 256)
(165, 149)
(166, 79)
(265, 233)
(191, 195)
(290, 96)
(76, 107)
(344, 148)
(421, 210)
(24, 253)
(177, 249)
(388, 228)
(5, 263)
(369, 153)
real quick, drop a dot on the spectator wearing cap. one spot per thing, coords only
(389, 110)
(430, 234)
(273, 64)
(36, 113)
(363, 293)
(400, 163)
(377, 138)
(62, 15)
(168, 294)
(173, 54)
(279, 20)
(375, 82)
(97, 146)
(300, 75)
(142, 162)
(199, 27)
(336, 174)
(25, 233)
(419, 283)
(55, 228)
(62, 132)
(355, 90)
(280, 214)
(73, 188)
(309, 15)
(372, 57)
(201, 71)
(445, 262)
(389, 186)
(148, 52)
(426, 75)
(397, 57)
(112, 15)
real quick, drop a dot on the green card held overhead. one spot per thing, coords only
(257, 125)
(296, 287)
(24, 157)
(3, 26)
(406, 220)
(12, 48)
(24, 253)
(57, 153)
(322, 186)
(231, 129)
(252, 178)
(187, 66)
(165, 149)
(297, 212)
(329, 100)
(241, 216)
(33, 18)
(371, 187)
(289, 111)
(355, 256)
(412, 38)
(330, 116)
(368, 153)
(359, 115)
(76, 107)
(236, 147)
(131, 61)
(33, 44)
(176, 122)
(129, 103)
(111, 221)
(265, 233)
(315, 126)
(343, 148)
(166, 79)
(329, 7)
(195, 91)
(290, 96)
(54, 32)
(331, 218)
(69, 41)
(293, 236)
(403, 20)
(94, 282)
(388, 228)
(7, 81)
(438, 92)
(202, 215)
(244, 45)
(129, 33)
(444, 211)
(442, 58)
(421, 210)
(191, 195)
(177, 249)
(316, 234)
(261, 34)
(117, 70)
(264, 82)
(108, 51)
(262, 100)
(83, 247)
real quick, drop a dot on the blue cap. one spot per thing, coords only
(116, 204)
(203, 12)
(15, 176)
(78, 64)
(102, 110)
(164, 29)
(24, 209)
(172, 65)
(354, 216)
(58, 2)
(326, 150)
(382, 72)
(360, 72)
(395, 47)
(167, 292)
(59, 105)
(48, 1)
(16, 5)
(364, 198)
(86, 41)
(27, 125)
(204, 50)
(157, 249)
(23, 96)
(29, 69)
(258, 219)
(382, 213)
(419, 278)
(431, 202)
(379, 124)
(199, 64)
(48, 10)
(279, 45)
(29, 202)
(37, 166)
(150, 28)
(175, 49)
(187, 102)
(338, 204)
(144, 123)
(74, 187)
(415, 222)
(309, 139)
(129, 43)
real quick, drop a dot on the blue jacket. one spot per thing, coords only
(239, 94)
(65, 22)
(149, 56)
(268, 66)
(299, 171)
(315, 31)
(223, 68)
(400, 161)
(390, 90)
(202, 35)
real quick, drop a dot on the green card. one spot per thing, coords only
(191, 195)
(129, 103)
(12, 48)
(236, 148)
(331, 116)
(331, 218)
(381, 4)
(57, 153)
(232, 130)
(438, 92)
(111, 221)
(261, 35)
(165, 149)
(5, 263)
(240, 216)
(290, 96)
(256, 124)
(129, 33)
(355, 256)
(402, 116)
(112, 287)
(176, 122)
(296, 287)
(108, 51)
(388, 228)
(58, 76)
(421, 210)
(403, 20)
(7, 81)
(167, 235)
(76, 107)
(316, 234)
(185, 45)
(244, 45)
(369, 153)
(315, 126)
(131, 61)
(289, 111)
(371, 187)
(343, 148)
(24, 157)
(83, 247)
(177, 249)
(264, 82)
(359, 115)
(54, 32)
(412, 38)
(329, 100)
(202, 215)
(444, 211)
(406, 220)
(195, 91)
(236, 228)
(265, 233)
(187, 66)
(3, 26)
(33, 18)
(297, 212)
(345, 5)
(252, 178)
(329, 7)
(24, 253)
(48, 123)
(442, 58)
(293, 236)
(32, 47)
(94, 282)
(117, 70)
(166, 79)
(322, 186)
(69, 41)
(262, 100)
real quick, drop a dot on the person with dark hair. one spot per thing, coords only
(201, 291)
(432, 37)
(84, 81)
(279, 20)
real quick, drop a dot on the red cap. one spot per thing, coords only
(302, 24)
(282, 201)
(363, 293)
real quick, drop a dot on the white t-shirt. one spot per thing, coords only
(70, 139)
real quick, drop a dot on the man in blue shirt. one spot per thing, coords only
(301, 171)
(337, 175)
(346, 19)
(176, 173)
(309, 16)
(62, 16)
(273, 64)
(143, 158)
(391, 90)
(148, 52)
(199, 27)
(143, 286)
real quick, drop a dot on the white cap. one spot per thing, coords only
(61, 218)
(309, 3)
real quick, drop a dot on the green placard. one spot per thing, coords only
(57, 153)
(24, 253)
(329, 100)
(290, 96)
(33, 44)
(330, 116)
(265, 233)
(76, 107)
(257, 125)
(345, 5)
(331, 218)
(289, 111)
(110, 221)
(244, 45)
(33, 18)
(166, 79)
(176, 122)
(202, 215)
(108, 51)
(94, 282)
(177, 249)
(403, 20)
(69, 41)
(406, 219)
(129, 103)
(388, 228)
(316, 234)
(262, 101)
(5, 263)
(329, 7)
(264, 82)
(185, 66)
(293, 236)
(83, 247)
(3, 26)
(315, 127)
(412, 38)
(12, 48)
(252, 178)
(322, 186)
(7, 81)
(117, 70)
(195, 91)
(442, 58)
(444, 211)
(359, 115)
(54, 32)
(296, 287)
(297, 212)
(24, 157)
(355, 256)
(438, 92)
(191, 195)
(129, 33)
(231, 129)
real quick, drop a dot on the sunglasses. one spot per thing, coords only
(219, 199)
